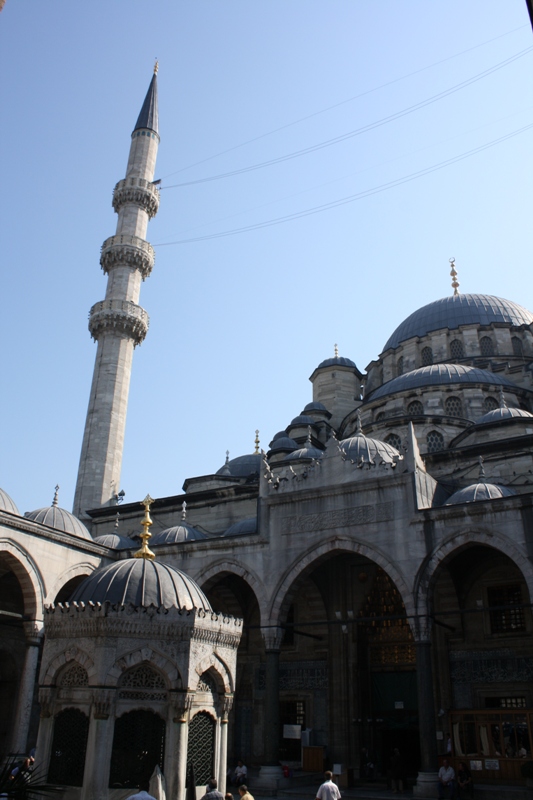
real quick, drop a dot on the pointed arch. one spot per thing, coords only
(28, 575)
(72, 654)
(207, 577)
(213, 661)
(85, 568)
(136, 657)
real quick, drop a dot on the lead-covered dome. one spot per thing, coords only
(361, 448)
(7, 504)
(477, 492)
(141, 582)
(178, 533)
(440, 375)
(461, 309)
(338, 361)
(115, 541)
(242, 466)
(503, 414)
(60, 519)
(242, 528)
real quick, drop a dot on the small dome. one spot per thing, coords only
(340, 361)
(302, 419)
(478, 491)
(141, 582)
(500, 414)
(178, 533)
(305, 452)
(7, 504)
(315, 407)
(361, 448)
(439, 375)
(278, 435)
(461, 309)
(283, 443)
(60, 519)
(242, 466)
(245, 526)
(115, 541)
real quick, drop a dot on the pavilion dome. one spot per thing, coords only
(7, 504)
(141, 582)
(477, 492)
(178, 533)
(115, 541)
(503, 414)
(59, 518)
(283, 443)
(361, 448)
(242, 466)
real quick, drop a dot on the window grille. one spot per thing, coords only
(399, 366)
(394, 440)
(486, 346)
(456, 349)
(201, 747)
(453, 407)
(518, 350)
(69, 743)
(142, 682)
(505, 702)
(415, 409)
(507, 614)
(489, 404)
(138, 745)
(74, 675)
(427, 356)
(435, 442)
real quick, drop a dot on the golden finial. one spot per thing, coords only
(453, 273)
(256, 451)
(184, 511)
(54, 501)
(156, 67)
(145, 551)
(336, 351)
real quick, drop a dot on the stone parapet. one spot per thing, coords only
(125, 250)
(120, 316)
(138, 191)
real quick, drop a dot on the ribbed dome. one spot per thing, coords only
(283, 443)
(315, 407)
(439, 375)
(60, 519)
(461, 309)
(477, 492)
(7, 504)
(242, 466)
(304, 452)
(340, 361)
(245, 526)
(178, 533)
(500, 414)
(361, 448)
(278, 435)
(302, 419)
(115, 541)
(141, 582)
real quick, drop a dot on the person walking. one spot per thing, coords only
(396, 771)
(328, 790)
(212, 793)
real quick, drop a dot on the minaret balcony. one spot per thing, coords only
(120, 317)
(136, 191)
(129, 251)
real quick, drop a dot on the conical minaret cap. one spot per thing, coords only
(149, 116)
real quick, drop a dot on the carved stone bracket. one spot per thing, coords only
(182, 703)
(130, 251)
(103, 701)
(47, 697)
(139, 192)
(121, 316)
(272, 637)
(226, 704)
(34, 632)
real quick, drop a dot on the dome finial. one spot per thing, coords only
(481, 469)
(503, 402)
(54, 501)
(309, 442)
(145, 551)
(453, 273)
(227, 457)
(359, 427)
(336, 350)
(256, 451)
(156, 66)
(116, 520)
(184, 511)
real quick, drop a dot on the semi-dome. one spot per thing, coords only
(501, 414)
(477, 492)
(141, 582)
(7, 504)
(461, 309)
(360, 448)
(283, 443)
(178, 533)
(338, 361)
(242, 466)
(243, 527)
(115, 541)
(60, 519)
(439, 375)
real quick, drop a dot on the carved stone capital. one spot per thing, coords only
(47, 697)
(139, 192)
(121, 316)
(103, 701)
(130, 251)
(33, 630)
(272, 638)
(182, 703)
(227, 703)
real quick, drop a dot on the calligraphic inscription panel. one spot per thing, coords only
(340, 518)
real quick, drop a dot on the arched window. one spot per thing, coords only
(394, 440)
(399, 366)
(456, 349)
(434, 441)
(486, 346)
(69, 743)
(427, 356)
(201, 747)
(74, 675)
(138, 745)
(518, 350)
(489, 404)
(453, 407)
(415, 409)
(142, 683)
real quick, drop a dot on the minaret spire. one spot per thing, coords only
(118, 323)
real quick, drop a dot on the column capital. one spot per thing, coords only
(226, 704)
(33, 630)
(272, 637)
(47, 697)
(103, 702)
(423, 629)
(181, 703)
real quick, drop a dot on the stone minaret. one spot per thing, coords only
(118, 323)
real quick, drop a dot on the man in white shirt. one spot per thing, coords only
(446, 779)
(142, 794)
(328, 790)
(240, 774)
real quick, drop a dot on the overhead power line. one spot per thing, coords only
(352, 198)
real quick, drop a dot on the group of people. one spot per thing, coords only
(458, 784)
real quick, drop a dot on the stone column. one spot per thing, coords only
(176, 760)
(426, 784)
(33, 631)
(271, 772)
(227, 702)
(46, 729)
(99, 746)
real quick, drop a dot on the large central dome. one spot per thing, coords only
(461, 309)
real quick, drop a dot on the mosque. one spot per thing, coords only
(365, 583)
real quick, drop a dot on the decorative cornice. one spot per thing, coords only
(129, 251)
(119, 316)
(139, 192)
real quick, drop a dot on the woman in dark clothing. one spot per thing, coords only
(464, 781)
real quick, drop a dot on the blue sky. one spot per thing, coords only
(238, 323)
